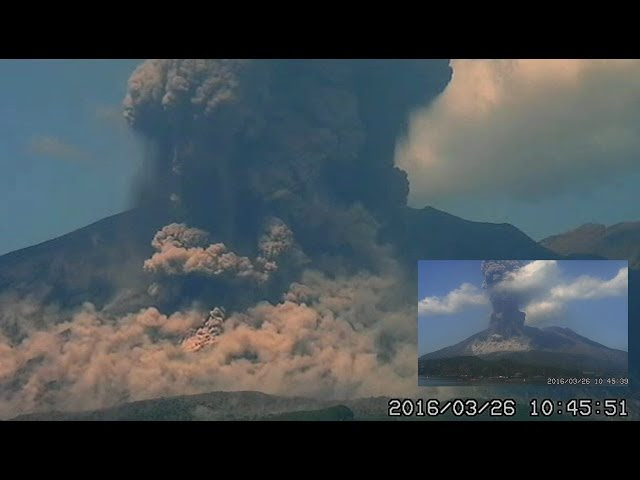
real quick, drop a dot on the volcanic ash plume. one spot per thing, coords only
(506, 317)
(236, 140)
(272, 179)
(183, 251)
(208, 333)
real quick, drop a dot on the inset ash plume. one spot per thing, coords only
(506, 317)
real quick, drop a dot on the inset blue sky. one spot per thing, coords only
(587, 296)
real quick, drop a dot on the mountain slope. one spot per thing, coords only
(429, 233)
(534, 346)
(222, 406)
(96, 262)
(87, 265)
(620, 241)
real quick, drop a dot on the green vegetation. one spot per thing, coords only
(470, 367)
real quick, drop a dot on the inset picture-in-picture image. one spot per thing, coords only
(515, 322)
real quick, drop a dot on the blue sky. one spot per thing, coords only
(611, 201)
(604, 320)
(66, 156)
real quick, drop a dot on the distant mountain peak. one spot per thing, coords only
(616, 242)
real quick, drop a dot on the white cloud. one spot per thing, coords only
(585, 287)
(542, 311)
(525, 128)
(532, 277)
(466, 295)
(541, 287)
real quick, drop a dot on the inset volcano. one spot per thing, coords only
(512, 351)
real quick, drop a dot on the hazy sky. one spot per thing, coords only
(588, 296)
(544, 145)
(66, 155)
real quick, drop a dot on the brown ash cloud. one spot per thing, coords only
(182, 251)
(328, 337)
(276, 176)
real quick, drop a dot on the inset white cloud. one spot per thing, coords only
(542, 289)
(466, 295)
(532, 277)
(586, 287)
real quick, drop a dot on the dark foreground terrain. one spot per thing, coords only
(222, 406)
(256, 406)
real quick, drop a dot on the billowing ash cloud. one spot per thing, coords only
(340, 337)
(494, 271)
(543, 290)
(245, 136)
(276, 240)
(174, 258)
(183, 251)
(180, 236)
(208, 333)
(269, 275)
(506, 317)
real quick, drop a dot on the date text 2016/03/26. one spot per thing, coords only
(584, 407)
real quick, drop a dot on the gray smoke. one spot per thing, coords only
(506, 317)
(234, 140)
(235, 143)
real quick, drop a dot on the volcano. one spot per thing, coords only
(511, 348)
(97, 262)
(555, 348)
(270, 246)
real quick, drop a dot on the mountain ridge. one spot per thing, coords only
(620, 241)
(222, 405)
(93, 263)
